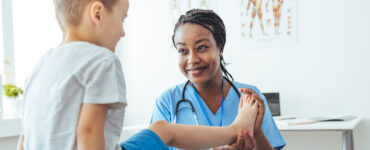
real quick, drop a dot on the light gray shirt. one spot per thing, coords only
(64, 79)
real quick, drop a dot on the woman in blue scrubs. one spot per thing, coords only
(199, 38)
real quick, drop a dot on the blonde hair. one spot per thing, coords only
(69, 12)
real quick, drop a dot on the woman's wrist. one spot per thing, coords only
(258, 132)
(262, 142)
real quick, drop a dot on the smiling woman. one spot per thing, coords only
(199, 57)
(199, 38)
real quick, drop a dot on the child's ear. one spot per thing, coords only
(96, 11)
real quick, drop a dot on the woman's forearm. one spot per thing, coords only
(194, 137)
(262, 143)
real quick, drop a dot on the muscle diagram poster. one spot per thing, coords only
(179, 7)
(268, 23)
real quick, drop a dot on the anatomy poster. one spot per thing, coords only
(268, 23)
(179, 7)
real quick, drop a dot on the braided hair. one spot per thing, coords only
(211, 21)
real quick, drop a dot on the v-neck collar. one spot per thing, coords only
(205, 104)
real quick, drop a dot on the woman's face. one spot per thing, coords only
(199, 56)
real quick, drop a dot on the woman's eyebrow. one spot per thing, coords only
(196, 42)
(180, 43)
(201, 40)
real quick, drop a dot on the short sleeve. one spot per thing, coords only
(269, 127)
(105, 84)
(161, 109)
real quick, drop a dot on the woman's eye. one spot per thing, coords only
(181, 51)
(202, 48)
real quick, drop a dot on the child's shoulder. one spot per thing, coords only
(85, 52)
(88, 49)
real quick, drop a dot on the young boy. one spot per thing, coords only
(75, 96)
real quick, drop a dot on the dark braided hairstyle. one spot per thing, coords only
(211, 21)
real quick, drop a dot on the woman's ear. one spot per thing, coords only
(221, 53)
(95, 12)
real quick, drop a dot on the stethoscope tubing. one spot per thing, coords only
(191, 104)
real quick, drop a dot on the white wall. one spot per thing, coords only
(326, 73)
(9, 143)
(35, 31)
(149, 61)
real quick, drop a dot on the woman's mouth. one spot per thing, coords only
(197, 71)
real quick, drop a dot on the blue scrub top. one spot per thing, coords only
(166, 104)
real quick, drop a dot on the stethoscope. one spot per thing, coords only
(200, 103)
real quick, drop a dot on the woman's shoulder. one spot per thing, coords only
(245, 85)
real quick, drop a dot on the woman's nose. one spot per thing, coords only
(193, 58)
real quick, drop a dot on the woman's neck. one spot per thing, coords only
(210, 88)
(211, 93)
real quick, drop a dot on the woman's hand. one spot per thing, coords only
(258, 135)
(261, 109)
(244, 141)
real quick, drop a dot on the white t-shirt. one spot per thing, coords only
(64, 79)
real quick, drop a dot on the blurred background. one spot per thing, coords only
(323, 70)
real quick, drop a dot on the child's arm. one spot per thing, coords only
(20, 142)
(90, 129)
(244, 141)
(201, 137)
(194, 137)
